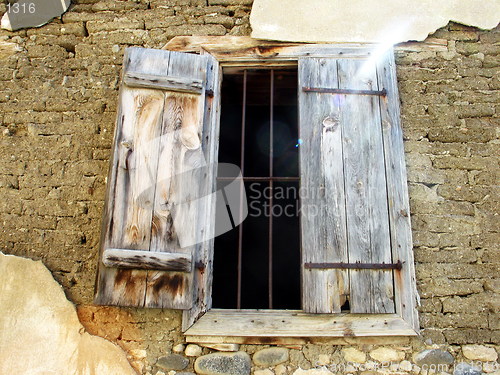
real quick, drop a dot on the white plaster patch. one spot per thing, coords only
(366, 21)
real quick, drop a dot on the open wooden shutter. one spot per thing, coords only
(159, 209)
(355, 216)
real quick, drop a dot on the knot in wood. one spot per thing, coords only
(189, 138)
(127, 144)
(330, 123)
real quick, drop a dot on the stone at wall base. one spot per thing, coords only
(40, 329)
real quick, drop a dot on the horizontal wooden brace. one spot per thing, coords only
(374, 266)
(382, 92)
(147, 260)
(151, 81)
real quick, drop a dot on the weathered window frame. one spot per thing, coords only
(290, 327)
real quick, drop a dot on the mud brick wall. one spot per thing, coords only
(451, 117)
(58, 97)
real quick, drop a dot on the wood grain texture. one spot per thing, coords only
(406, 296)
(204, 251)
(135, 259)
(297, 342)
(231, 50)
(127, 220)
(177, 184)
(290, 323)
(115, 286)
(161, 82)
(135, 217)
(371, 291)
(323, 211)
(240, 50)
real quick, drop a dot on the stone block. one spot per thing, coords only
(385, 354)
(314, 371)
(119, 24)
(467, 48)
(270, 357)
(479, 130)
(440, 286)
(493, 316)
(164, 22)
(193, 350)
(455, 270)
(435, 336)
(263, 372)
(491, 61)
(48, 321)
(237, 363)
(130, 37)
(45, 50)
(443, 223)
(433, 357)
(173, 362)
(172, 31)
(464, 193)
(479, 353)
(354, 355)
(217, 19)
(466, 336)
(432, 305)
(475, 110)
(179, 348)
(464, 368)
(424, 238)
(117, 6)
(230, 2)
(436, 255)
(458, 320)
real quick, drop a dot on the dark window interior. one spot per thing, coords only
(270, 233)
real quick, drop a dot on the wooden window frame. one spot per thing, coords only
(289, 327)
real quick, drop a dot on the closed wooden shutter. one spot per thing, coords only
(355, 215)
(159, 205)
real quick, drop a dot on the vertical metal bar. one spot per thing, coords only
(271, 185)
(242, 188)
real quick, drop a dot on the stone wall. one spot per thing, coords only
(58, 97)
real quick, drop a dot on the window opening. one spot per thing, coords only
(257, 264)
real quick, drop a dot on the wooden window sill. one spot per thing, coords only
(291, 327)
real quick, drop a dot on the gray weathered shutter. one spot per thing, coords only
(355, 213)
(159, 209)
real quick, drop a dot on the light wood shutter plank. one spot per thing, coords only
(406, 297)
(204, 251)
(371, 291)
(177, 188)
(155, 186)
(323, 217)
(127, 221)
